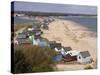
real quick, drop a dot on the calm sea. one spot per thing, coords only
(90, 22)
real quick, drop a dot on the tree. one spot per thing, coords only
(33, 59)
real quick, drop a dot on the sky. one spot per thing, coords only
(54, 8)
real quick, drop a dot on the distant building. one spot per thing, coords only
(16, 14)
(51, 19)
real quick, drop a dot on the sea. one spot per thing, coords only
(88, 21)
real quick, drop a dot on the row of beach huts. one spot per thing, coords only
(32, 36)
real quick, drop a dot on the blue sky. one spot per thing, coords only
(54, 8)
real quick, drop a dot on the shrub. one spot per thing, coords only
(33, 59)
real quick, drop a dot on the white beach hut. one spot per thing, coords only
(73, 52)
(84, 57)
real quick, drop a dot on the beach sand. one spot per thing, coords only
(72, 34)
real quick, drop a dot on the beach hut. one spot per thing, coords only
(41, 42)
(57, 58)
(31, 38)
(45, 27)
(62, 51)
(71, 56)
(73, 52)
(84, 57)
(37, 32)
(21, 36)
(24, 41)
(55, 46)
(35, 41)
(67, 48)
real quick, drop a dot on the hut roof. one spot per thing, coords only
(67, 48)
(24, 41)
(55, 45)
(51, 42)
(21, 35)
(85, 54)
(73, 52)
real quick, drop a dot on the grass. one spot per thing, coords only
(19, 26)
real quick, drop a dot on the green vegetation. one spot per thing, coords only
(29, 26)
(19, 26)
(36, 24)
(33, 59)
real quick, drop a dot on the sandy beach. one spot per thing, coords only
(72, 34)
